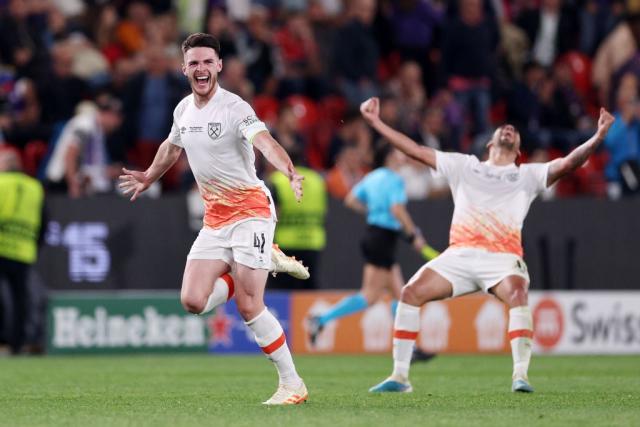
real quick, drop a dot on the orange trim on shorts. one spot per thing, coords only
(520, 333)
(229, 280)
(405, 335)
(274, 345)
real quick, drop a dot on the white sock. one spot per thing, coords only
(270, 337)
(222, 292)
(520, 334)
(405, 332)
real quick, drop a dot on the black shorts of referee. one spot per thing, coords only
(379, 246)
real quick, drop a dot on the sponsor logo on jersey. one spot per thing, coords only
(215, 130)
(512, 177)
(248, 121)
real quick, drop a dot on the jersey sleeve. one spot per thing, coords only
(174, 134)
(450, 165)
(245, 122)
(536, 175)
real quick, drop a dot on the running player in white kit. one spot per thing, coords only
(218, 131)
(485, 251)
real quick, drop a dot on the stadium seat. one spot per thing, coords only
(33, 155)
(580, 66)
(333, 109)
(305, 110)
(266, 107)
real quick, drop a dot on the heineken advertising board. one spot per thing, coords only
(117, 322)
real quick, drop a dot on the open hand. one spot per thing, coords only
(133, 182)
(295, 181)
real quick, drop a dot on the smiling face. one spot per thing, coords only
(201, 66)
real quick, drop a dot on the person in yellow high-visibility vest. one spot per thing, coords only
(301, 230)
(21, 207)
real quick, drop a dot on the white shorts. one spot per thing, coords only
(470, 269)
(247, 242)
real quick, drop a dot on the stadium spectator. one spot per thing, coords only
(552, 30)
(410, 96)
(149, 98)
(130, 32)
(235, 78)
(299, 56)
(414, 25)
(21, 212)
(523, 105)
(496, 195)
(616, 49)
(420, 181)
(79, 164)
(21, 44)
(316, 47)
(356, 53)
(61, 91)
(623, 141)
(469, 61)
(220, 26)
(22, 122)
(256, 50)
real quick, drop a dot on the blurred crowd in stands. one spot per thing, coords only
(93, 83)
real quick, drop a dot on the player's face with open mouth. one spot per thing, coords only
(201, 66)
(508, 137)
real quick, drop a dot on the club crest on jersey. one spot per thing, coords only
(215, 129)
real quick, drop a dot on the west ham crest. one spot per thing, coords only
(215, 129)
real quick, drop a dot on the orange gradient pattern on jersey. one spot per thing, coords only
(225, 205)
(486, 231)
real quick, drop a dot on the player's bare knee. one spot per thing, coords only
(408, 295)
(517, 296)
(191, 304)
(248, 308)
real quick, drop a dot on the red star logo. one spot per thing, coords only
(220, 327)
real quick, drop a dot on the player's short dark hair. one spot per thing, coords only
(201, 40)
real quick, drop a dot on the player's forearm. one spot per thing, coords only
(278, 157)
(71, 170)
(572, 161)
(166, 156)
(580, 154)
(405, 144)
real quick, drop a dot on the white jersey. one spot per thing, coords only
(491, 202)
(217, 140)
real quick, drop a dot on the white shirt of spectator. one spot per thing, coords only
(544, 49)
(84, 131)
(217, 141)
(491, 201)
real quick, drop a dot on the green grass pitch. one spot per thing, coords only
(205, 390)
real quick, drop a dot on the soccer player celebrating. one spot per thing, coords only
(218, 131)
(485, 252)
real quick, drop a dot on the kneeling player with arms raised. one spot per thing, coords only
(485, 252)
